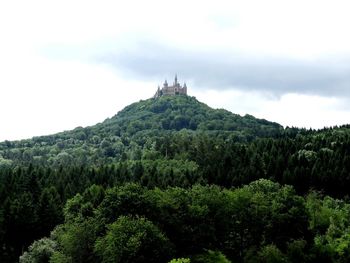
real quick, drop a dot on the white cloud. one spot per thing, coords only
(51, 96)
(289, 110)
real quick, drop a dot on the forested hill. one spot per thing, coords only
(135, 127)
(184, 112)
(172, 180)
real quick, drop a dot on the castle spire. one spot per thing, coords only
(175, 79)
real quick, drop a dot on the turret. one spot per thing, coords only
(175, 82)
(165, 84)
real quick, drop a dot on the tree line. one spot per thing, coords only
(259, 222)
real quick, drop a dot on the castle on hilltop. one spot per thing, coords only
(175, 89)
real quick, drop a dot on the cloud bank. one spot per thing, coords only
(223, 70)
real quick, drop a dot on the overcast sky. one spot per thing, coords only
(65, 64)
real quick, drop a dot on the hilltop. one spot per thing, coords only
(132, 127)
(173, 113)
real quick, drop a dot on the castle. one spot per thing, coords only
(175, 89)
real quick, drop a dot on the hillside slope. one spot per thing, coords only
(183, 112)
(132, 127)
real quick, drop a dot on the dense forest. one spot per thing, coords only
(172, 180)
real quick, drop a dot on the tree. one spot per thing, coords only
(50, 210)
(210, 257)
(39, 252)
(180, 260)
(271, 254)
(76, 241)
(133, 240)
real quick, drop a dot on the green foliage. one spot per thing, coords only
(76, 241)
(59, 257)
(210, 257)
(259, 222)
(49, 209)
(329, 219)
(5, 162)
(271, 254)
(180, 260)
(296, 251)
(131, 223)
(133, 240)
(39, 252)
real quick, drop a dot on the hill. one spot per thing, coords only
(184, 112)
(138, 123)
(177, 179)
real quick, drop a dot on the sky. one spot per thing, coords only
(65, 64)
